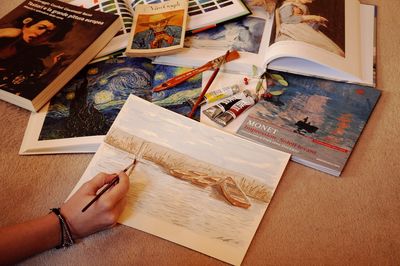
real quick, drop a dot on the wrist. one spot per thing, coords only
(66, 238)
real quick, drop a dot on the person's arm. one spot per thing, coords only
(18, 242)
(314, 18)
(23, 240)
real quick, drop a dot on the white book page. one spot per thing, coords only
(350, 64)
(293, 56)
(368, 38)
(32, 145)
(319, 69)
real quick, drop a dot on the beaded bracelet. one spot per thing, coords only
(66, 237)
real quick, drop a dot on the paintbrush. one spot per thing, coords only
(187, 75)
(112, 183)
(210, 80)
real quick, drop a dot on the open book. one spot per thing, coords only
(193, 185)
(78, 117)
(336, 44)
(201, 15)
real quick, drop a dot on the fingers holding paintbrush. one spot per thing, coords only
(110, 183)
(101, 213)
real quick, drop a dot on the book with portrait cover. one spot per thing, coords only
(158, 29)
(43, 44)
(317, 121)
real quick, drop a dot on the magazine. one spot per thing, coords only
(193, 185)
(317, 121)
(330, 45)
(44, 44)
(202, 15)
(78, 117)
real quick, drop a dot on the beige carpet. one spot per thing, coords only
(313, 218)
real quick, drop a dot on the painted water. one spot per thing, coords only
(201, 210)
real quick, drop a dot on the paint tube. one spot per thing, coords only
(216, 95)
(239, 107)
(225, 104)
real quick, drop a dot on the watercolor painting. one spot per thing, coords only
(244, 36)
(192, 184)
(89, 103)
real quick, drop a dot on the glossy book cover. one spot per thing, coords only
(43, 44)
(316, 120)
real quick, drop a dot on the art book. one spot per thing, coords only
(78, 117)
(317, 38)
(317, 121)
(158, 29)
(193, 185)
(202, 15)
(43, 44)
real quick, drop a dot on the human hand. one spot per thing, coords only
(103, 213)
(314, 18)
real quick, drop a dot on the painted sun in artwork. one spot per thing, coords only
(70, 95)
(160, 76)
(103, 97)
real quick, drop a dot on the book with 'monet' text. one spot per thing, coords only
(43, 44)
(317, 121)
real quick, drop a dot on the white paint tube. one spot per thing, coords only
(225, 104)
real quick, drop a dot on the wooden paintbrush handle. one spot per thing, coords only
(181, 78)
(203, 92)
(229, 56)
